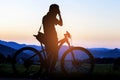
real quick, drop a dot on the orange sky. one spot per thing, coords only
(91, 23)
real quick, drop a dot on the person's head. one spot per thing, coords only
(54, 8)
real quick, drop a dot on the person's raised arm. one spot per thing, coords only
(60, 22)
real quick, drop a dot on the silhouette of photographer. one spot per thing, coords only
(49, 21)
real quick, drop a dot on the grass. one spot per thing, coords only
(99, 70)
(6, 68)
(105, 69)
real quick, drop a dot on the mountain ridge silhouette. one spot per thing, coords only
(9, 48)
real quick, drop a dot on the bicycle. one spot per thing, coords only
(74, 60)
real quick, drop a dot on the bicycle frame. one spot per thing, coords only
(60, 43)
(66, 38)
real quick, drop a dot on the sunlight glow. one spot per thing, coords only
(91, 23)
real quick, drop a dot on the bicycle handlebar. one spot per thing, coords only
(67, 34)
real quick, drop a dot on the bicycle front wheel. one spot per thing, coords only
(76, 61)
(27, 61)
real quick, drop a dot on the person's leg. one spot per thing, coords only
(52, 52)
(54, 57)
(48, 59)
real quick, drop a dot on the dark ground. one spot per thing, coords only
(55, 76)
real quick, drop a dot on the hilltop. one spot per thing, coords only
(8, 48)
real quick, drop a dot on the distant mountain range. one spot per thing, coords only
(105, 52)
(9, 48)
(16, 45)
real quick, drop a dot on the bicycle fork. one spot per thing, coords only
(75, 61)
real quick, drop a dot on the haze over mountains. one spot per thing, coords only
(9, 48)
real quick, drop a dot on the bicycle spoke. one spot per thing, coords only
(77, 60)
(26, 61)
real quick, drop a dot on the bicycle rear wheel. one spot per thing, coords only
(27, 61)
(76, 61)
